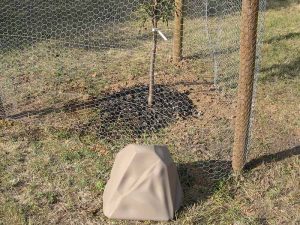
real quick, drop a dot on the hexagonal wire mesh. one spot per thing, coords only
(84, 65)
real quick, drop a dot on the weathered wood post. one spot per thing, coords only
(178, 31)
(250, 10)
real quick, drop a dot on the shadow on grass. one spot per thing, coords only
(271, 158)
(281, 71)
(203, 178)
(203, 55)
(277, 4)
(200, 179)
(85, 24)
(125, 113)
(283, 37)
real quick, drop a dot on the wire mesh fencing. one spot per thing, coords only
(84, 66)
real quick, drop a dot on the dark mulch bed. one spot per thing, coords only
(126, 114)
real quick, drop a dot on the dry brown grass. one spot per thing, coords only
(50, 176)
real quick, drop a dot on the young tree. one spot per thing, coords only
(156, 10)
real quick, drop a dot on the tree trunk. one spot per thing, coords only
(152, 64)
(178, 31)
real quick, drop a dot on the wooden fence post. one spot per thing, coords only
(178, 31)
(250, 10)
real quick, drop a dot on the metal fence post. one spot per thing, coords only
(250, 10)
(178, 31)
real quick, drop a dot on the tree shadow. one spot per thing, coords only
(201, 179)
(282, 71)
(85, 23)
(125, 113)
(277, 4)
(206, 54)
(288, 36)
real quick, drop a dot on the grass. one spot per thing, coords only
(50, 174)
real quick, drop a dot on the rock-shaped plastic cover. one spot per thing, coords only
(144, 185)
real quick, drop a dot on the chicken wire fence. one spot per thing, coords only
(84, 66)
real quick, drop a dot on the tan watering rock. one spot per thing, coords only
(143, 185)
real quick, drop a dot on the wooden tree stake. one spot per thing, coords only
(178, 31)
(246, 81)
